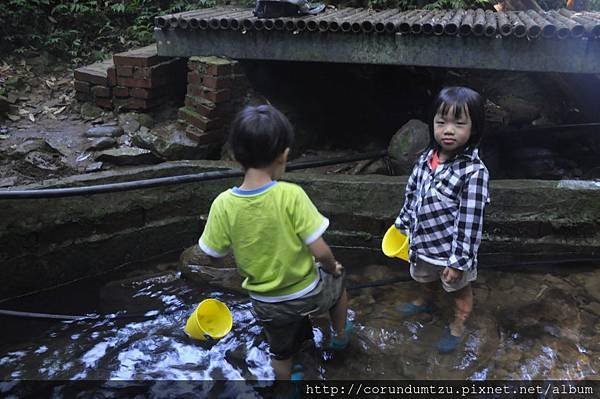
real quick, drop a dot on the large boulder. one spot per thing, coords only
(170, 144)
(196, 267)
(406, 145)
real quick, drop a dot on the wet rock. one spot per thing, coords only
(378, 167)
(101, 143)
(168, 144)
(4, 105)
(42, 160)
(93, 167)
(196, 266)
(145, 120)
(60, 145)
(592, 286)
(129, 122)
(36, 144)
(104, 131)
(8, 181)
(593, 307)
(408, 142)
(90, 111)
(127, 156)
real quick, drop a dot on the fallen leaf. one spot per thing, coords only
(31, 117)
(61, 109)
(4, 136)
(14, 118)
(51, 19)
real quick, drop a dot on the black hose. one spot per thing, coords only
(171, 180)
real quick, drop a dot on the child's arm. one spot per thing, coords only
(468, 225)
(323, 254)
(404, 219)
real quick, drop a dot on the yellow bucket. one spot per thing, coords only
(211, 319)
(395, 244)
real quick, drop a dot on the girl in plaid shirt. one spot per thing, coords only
(442, 213)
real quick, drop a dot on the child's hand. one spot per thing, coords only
(451, 275)
(339, 269)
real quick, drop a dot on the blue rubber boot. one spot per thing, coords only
(448, 342)
(339, 344)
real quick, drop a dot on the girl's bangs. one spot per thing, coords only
(460, 109)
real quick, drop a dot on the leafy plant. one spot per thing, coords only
(82, 30)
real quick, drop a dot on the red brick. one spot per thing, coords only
(101, 91)
(120, 91)
(111, 76)
(216, 83)
(83, 87)
(143, 57)
(218, 69)
(172, 68)
(144, 83)
(125, 71)
(94, 73)
(194, 78)
(214, 66)
(103, 102)
(216, 97)
(202, 137)
(207, 108)
(197, 120)
(138, 92)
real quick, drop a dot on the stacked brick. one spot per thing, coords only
(215, 87)
(138, 80)
(94, 83)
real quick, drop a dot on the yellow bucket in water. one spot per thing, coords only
(211, 319)
(395, 244)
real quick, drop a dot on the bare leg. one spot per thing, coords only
(282, 368)
(338, 314)
(463, 306)
(426, 295)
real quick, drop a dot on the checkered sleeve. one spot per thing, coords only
(406, 215)
(468, 225)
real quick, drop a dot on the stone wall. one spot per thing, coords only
(50, 241)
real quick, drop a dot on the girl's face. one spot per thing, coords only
(450, 132)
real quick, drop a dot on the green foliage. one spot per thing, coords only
(595, 5)
(82, 30)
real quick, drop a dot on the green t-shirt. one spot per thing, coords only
(268, 229)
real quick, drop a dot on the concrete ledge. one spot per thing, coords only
(51, 241)
(511, 54)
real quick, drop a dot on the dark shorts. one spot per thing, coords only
(287, 324)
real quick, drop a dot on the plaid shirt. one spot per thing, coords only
(443, 210)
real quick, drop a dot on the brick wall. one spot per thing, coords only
(136, 80)
(216, 87)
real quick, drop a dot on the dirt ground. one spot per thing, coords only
(40, 110)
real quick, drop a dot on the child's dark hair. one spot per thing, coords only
(462, 99)
(259, 134)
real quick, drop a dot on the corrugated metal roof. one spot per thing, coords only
(530, 24)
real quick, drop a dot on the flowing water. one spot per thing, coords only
(524, 326)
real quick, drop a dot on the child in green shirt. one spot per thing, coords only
(274, 231)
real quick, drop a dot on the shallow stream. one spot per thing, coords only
(526, 325)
